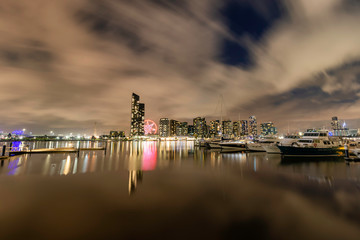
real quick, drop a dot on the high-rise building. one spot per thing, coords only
(214, 128)
(268, 129)
(164, 127)
(237, 128)
(199, 127)
(117, 134)
(141, 119)
(252, 126)
(335, 124)
(227, 128)
(173, 126)
(182, 129)
(137, 116)
(244, 128)
(191, 130)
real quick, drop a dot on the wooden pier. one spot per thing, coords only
(51, 150)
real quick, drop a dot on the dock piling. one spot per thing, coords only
(10, 149)
(3, 150)
(105, 147)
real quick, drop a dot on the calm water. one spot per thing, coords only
(173, 189)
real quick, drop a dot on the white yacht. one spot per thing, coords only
(214, 144)
(312, 144)
(254, 147)
(234, 145)
(262, 144)
(286, 141)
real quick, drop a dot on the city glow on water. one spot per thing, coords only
(175, 171)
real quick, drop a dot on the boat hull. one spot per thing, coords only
(255, 148)
(292, 151)
(235, 146)
(273, 149)
(214, 146)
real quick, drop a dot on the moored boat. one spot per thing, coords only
(352, 155)
(286, 141)
(312, 144)
(272, 148)
(238, 145)
(255, 147)
(295, 151)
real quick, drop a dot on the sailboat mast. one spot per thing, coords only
(221, 103)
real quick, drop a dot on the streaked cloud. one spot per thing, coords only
(79, 61)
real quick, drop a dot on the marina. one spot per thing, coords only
(161, 119)
(129, 172)
(153, 153)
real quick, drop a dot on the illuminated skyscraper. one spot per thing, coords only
(141, 118)
(182, 129)
(191, 130)
(137, 116)
(214, 128)
(335, 124)
(237, 128)
(244, 128)
(173, 126)
(164, 127)
(199, 127)
(268, 129)
(227, 128)
(252, 126)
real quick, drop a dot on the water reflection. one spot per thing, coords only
(15, 146)
(13, 167)
(149, 156)
(136, 158)
(134, 178)
(65, 166)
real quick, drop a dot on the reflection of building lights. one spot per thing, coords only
(75, 166)
(85, 163)
(16, 146)
(65, 166)
(134, 177)
(13, 166)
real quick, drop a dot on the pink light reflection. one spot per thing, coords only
(149, 156)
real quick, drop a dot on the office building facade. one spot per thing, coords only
(253, 126)
(164, 127)
(199, 124)
(137, 116)
(227, 128)
(268, 129)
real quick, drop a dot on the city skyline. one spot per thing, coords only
(212, 128)
(76, 63)
(245, 127)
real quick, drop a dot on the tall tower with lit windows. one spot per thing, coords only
(137, 116)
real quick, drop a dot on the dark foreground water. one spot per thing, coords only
(173, 190)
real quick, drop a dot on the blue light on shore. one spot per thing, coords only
(17, 132)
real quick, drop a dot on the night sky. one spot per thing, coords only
(66, 64)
